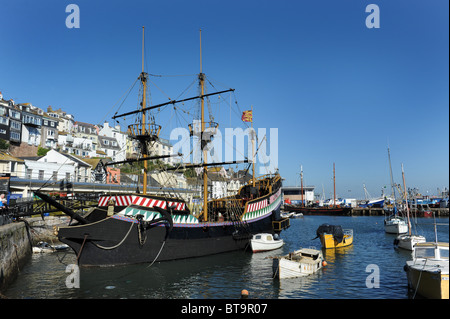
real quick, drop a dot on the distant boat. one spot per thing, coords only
(394, 224)
(427, 272)
(332, 236)
(265, 242)
(302, 262)
(408, 241)
(331, 209)
(324, 210)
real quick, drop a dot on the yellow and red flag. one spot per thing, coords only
(247, 116)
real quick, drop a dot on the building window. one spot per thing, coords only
(41, 175)
(55, 175)
(29, 173)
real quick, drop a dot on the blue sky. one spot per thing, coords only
(336, 90)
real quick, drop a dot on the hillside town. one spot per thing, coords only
(50, 145)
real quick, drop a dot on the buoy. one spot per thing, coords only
(244, 294)
(324, 263)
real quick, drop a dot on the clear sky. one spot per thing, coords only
(336, 90)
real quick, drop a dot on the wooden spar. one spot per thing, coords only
(301, 181)
(170, 102)
(144, 82)
(205, 165)
(334, 186)
(205, 170)
(253, 152)
(149, 158)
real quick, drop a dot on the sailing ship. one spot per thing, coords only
(144, 228)
(408, 241)
(319, 210)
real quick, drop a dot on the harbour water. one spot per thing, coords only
(369, 269)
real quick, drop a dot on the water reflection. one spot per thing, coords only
(225, 275)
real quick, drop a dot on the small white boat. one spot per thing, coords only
(296, 215)
(265, 242)
(408, 241)
(302, 262)
(395, 225)
(287, 215)
(44, 247)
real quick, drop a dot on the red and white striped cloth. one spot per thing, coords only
(125, 200)
(257, 206)
(151, 202)
(121, 200)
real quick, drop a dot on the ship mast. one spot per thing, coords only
(253, 152)
(301, 181)
(334, 187)
(143, 78)
(201, 77)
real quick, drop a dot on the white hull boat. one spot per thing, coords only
(265, 242)
(396, 225)
(43, 247)
(302, 262)
(408, 241)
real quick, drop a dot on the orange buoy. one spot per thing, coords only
(244, 294)
(324, 263)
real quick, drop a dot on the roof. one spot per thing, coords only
(4, 156)
(75, 159)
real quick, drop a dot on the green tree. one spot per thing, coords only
(4, 145)
(42, 151)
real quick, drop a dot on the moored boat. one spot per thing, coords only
(332, 236)
(265, 242)
(302, 262)
(395, 225)
(408, 242)
(428, 271)
(44, 247)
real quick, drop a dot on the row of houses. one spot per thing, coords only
(57, 166)
(24, 125)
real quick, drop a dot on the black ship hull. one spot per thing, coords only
(145, 231)
(120, 241)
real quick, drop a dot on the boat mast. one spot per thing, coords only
(406, 199)
(334, 187)
(301, 182)
(201, 77)
(144, 83)
(392, 180)
(253, 151)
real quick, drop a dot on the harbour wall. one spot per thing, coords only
(15, 251)
(16, 241)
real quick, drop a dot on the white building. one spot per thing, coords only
(81, 170)
(162, 147)
(48, 171)
(121, 138)
(79, 146)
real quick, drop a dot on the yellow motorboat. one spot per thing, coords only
(332, 236)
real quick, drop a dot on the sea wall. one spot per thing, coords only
(15, 251)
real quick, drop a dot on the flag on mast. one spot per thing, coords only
(247, 116)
